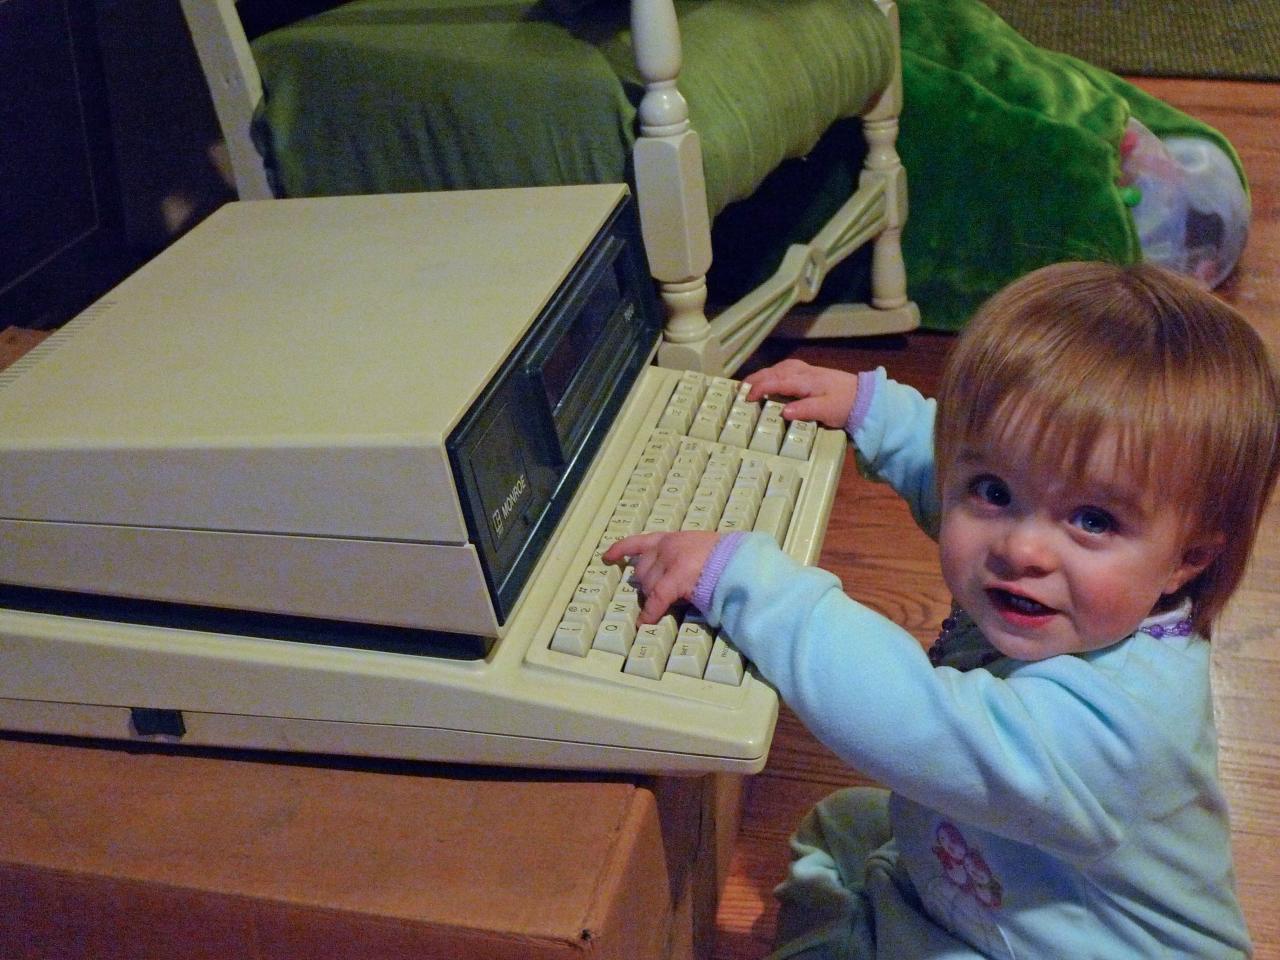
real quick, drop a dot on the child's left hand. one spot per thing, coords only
(667, 566)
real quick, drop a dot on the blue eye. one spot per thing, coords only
(1093, 520)
(990, 490)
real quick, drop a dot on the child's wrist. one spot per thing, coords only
(720, 556)
(867, 383)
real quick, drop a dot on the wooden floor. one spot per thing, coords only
(881, 558)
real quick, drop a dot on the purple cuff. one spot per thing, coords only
(724, 550)
(867, 380)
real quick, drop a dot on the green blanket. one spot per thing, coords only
(380, 96)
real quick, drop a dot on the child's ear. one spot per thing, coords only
(1198, 555)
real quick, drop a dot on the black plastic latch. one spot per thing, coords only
(152, 721)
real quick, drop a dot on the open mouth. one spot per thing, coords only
(1017, 604)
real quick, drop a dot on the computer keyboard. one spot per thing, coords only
(703, 458)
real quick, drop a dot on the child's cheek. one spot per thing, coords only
(959, 552)
(1110, 606)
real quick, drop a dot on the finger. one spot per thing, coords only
(790, 365)
(796, 382)
(620, 550)
(806, 408)
(643, 565)
(651, 614)
(768, 375)
(763, 382)
(657, 603)
(616, 552)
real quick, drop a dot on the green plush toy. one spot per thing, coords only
(1013, 158)
(1012, 155)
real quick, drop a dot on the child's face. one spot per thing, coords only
(1048, 565)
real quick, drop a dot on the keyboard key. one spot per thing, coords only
(693, 647)
(706, 424)
(690, 463)
(723, 387)
(717, 479)
(710, 497)
(692, 379)
(725, 665)
(590, 594)
(693, 453)
(614, 636)
(607, 574)
(623, 610)
(645, 660)
(665, 518)
(679, 485)
(699, 522)
(716, 404)
(590, 614)
(625, 525)
(702, 515)
(572, 636)
(688, 659)
(774, 517)
(742, 507)
(626, 589)
(785, 482)
(695, 630)
(753, 478)
(662, 633)
(625, 605)
(642, 493)
(740, 424)
(770, 430)
(644, 481)
(678, 415)
(799, 439)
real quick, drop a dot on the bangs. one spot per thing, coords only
(1082, 355)
(1066, 424)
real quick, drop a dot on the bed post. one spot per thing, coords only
(234, 84)
(876, 212)
(671, 192)
(880, 126)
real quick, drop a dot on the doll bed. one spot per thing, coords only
(374, 96)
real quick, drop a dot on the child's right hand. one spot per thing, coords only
(822, 394)
(667, 566)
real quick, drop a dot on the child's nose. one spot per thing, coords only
(1025, 549)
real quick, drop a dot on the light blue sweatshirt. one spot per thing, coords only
(1068, 807)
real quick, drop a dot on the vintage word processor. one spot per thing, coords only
(334, 475)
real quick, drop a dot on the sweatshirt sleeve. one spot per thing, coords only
(894, 443)
(1033, 760)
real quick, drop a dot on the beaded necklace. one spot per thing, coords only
(1159, 631)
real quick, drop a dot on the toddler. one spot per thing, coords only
(1094, 470)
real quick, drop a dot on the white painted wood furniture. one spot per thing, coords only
(671, 195)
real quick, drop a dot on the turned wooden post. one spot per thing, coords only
(671, 191)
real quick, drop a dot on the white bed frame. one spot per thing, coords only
(671, 195)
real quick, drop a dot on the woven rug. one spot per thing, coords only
(1223, 39)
